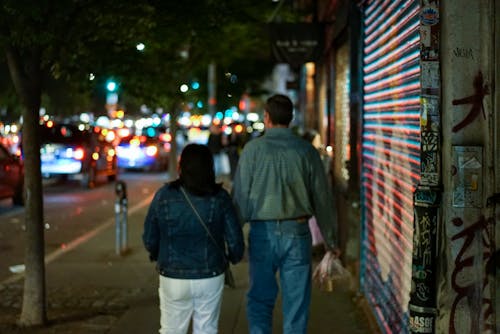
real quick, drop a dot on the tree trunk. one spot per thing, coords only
(26, 76)
(173, 163)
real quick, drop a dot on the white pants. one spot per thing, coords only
(181, 299)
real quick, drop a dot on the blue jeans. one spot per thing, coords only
(283, 246)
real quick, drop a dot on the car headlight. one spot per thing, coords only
(151, 151)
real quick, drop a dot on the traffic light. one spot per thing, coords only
(111, 86)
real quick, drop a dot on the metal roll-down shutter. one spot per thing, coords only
(390, 156)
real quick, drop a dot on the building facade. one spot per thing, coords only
(405, 94)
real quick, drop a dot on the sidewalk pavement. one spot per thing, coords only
(91, 289)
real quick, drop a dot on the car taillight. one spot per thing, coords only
(135, 141)
(166, 137)
(78, 153)
(123, 132)
(151, 151)
(238, 128)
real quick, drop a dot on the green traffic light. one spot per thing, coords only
(111, 86)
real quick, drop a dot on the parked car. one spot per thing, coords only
(143, 152)
(11, 176)
(83, 153)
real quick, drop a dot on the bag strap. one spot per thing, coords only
(203, 223)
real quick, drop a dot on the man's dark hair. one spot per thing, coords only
(280, 109)
(197, 170)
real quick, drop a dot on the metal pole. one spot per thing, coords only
(212, 89)
(121, 217)
(117, 227)
(124, 243)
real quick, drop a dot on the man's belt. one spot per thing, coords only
(303, 219)
(300, 220)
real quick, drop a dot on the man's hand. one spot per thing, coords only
(335, 251)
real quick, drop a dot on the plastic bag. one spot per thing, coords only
(330, 272)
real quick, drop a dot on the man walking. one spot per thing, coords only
(279, 184)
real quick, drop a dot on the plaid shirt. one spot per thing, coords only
(281, 176)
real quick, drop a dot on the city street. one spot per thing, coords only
(72, 214)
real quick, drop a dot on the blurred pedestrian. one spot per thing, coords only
(236, 141)
(190, 264)
(279, 184)
(215, 140)
(216, 143)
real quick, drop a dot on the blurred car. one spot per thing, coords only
(143, 152)
(11, 176)
(78, 152)
(11, 142)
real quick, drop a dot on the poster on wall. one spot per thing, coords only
(467, 176)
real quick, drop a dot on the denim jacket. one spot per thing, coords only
(180, 245)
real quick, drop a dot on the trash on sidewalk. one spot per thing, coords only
(17, 269)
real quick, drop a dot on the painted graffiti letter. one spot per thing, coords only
(471, 296)
(476, 100)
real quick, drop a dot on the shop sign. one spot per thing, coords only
(296, 43)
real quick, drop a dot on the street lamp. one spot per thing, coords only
(140, 46)
(184, 88)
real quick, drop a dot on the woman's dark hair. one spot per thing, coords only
(197, 173)
(280, 109)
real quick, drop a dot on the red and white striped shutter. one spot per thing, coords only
(390, 156)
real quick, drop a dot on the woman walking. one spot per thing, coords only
(187, 228)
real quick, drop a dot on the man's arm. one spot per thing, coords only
(241, 184)
(323, 203)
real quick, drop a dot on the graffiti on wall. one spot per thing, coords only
(430, 81)
(429, 157)
(423, 289)
(463, 53)
(476, 100)
(430, 123)
(422, 305)
(472, 307)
